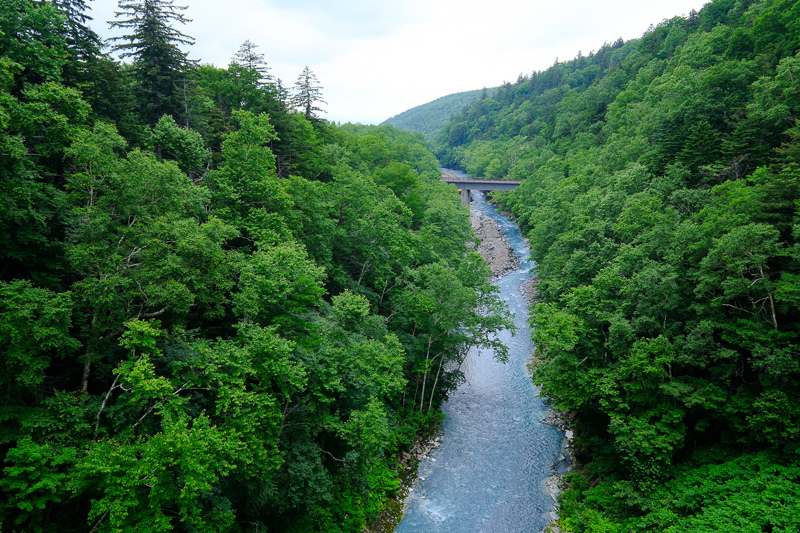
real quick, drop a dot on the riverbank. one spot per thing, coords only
(407, 468)
(493, 246)
(556, 484)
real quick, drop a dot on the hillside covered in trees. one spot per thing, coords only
(428, 119)
(218, 311)
(661, 179)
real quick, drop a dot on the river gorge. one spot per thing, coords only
(489, 473)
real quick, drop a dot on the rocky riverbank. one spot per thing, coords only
(529, 289)
(556, 484)
(409, 461)
(493, 246)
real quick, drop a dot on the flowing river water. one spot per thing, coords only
(488, 475)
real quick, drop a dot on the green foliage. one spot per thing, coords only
(753, 492)
(40, 476)
(278, 282)
(30, 35)
(660, 198)
(183, 145)
(202, 290)
(34, 326)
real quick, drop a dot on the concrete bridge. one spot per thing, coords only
(467, 185)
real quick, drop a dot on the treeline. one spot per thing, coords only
(661, 180)
(218, 311)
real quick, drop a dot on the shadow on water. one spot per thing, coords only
(489, 473)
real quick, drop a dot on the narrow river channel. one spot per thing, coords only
(488, 475)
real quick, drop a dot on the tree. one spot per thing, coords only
(34, 326)
(159, 64)
(182, 145)
(451, 312)
(83, 42)
(31, 35)
(248, 58)
(136, 239)
(308, 93)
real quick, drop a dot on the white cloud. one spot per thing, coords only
(377, 59)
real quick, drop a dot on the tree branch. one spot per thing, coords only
(98, 522)
(103, 405)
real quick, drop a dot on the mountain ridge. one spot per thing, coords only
(429, 118)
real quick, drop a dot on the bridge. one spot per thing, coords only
(465, 185)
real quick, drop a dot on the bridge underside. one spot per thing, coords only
(465, 186)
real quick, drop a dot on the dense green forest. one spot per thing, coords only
(428, 119)
(218, 311)
(661, 179)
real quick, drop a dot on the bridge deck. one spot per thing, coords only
(467, 185)
(483, 185)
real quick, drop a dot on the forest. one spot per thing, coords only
(428, 119)
(218, 310)
(661, 180)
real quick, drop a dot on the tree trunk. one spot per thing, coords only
(435, 381)
(425, 375)
(87, 366)
(185, 104)
(87, 369)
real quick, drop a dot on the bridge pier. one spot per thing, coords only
(465, 197)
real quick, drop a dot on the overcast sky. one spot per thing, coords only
(378, 58)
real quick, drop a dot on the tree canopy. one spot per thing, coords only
(212, 312)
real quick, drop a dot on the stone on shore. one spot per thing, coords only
(493, 246)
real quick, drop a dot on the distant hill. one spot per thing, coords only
(429, 118)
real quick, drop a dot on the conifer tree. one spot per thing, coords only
(308, 93)
(82, 41)
(248, 58)
(280, 92)
(159, 64)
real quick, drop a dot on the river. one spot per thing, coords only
(488, 475)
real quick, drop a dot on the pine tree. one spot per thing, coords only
(82, 41)
(159, 64)
(308, 93)
(248, 58)
(280, 93)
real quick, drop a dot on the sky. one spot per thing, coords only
(377, 58)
